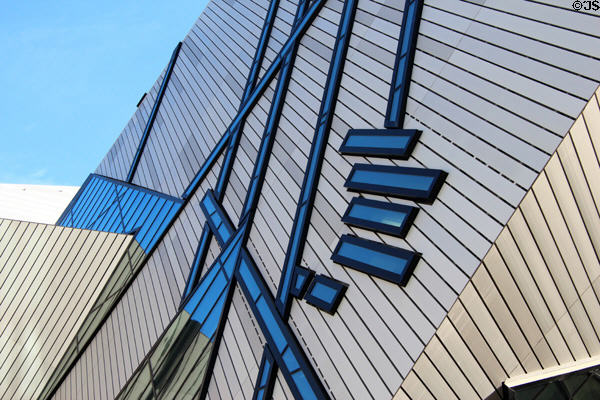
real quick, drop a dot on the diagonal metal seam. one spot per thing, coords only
(153, 113)
(210, 202)
(215, 153)
(246, 272)
(297, 32)
(268, 370)
(249, 208)
(313, 385)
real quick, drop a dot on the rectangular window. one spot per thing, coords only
(380, 216)
(386, 262)
(394, 143)
(419, 184)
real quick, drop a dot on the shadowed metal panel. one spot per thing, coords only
(50, 278)
(243, 165)
(534, 301)
(203, 95)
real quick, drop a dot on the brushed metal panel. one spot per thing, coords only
(452, 371)
(415, 388)
(496, 307)
(431, 378)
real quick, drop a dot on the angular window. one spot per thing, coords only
(380, 216)
(407, 44)
(386, 262)
(395, 143)
(302, 278)
(325, 293)
(417, 184)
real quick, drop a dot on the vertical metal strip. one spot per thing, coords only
(407, 44)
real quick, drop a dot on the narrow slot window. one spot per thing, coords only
(394, 143)
(417, 184)
(380, 216)
(386, 262)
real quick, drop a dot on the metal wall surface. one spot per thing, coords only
(489, 118)
(50, 278)
(143, 312)
(533, 303)
(495, 86)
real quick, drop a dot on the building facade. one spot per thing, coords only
(330, 199)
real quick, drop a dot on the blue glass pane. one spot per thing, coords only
(205, 283)
(272, 327)
(303, 386)
(209, 205)
(300, 281)
(393, 179)
(265, 375)
(384, 261)
(84, 203)
(323, 292)
(85, 198)
(212, 322)
(139, 213)
(410, 22)
(127, 202)
(231, 261)
(224, 232)
(152, 222)
(210, 298)
(260, 394)
(290, 360)
(399, 79)
(378, 141)
(249, 281)
(380, 215)
(216, 220)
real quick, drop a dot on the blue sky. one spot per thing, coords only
(71, 74)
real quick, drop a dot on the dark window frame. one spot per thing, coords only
(339, 287)
(387, 152)
(410, 211)
(425, 196)
(412, 258)
(308, 276)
